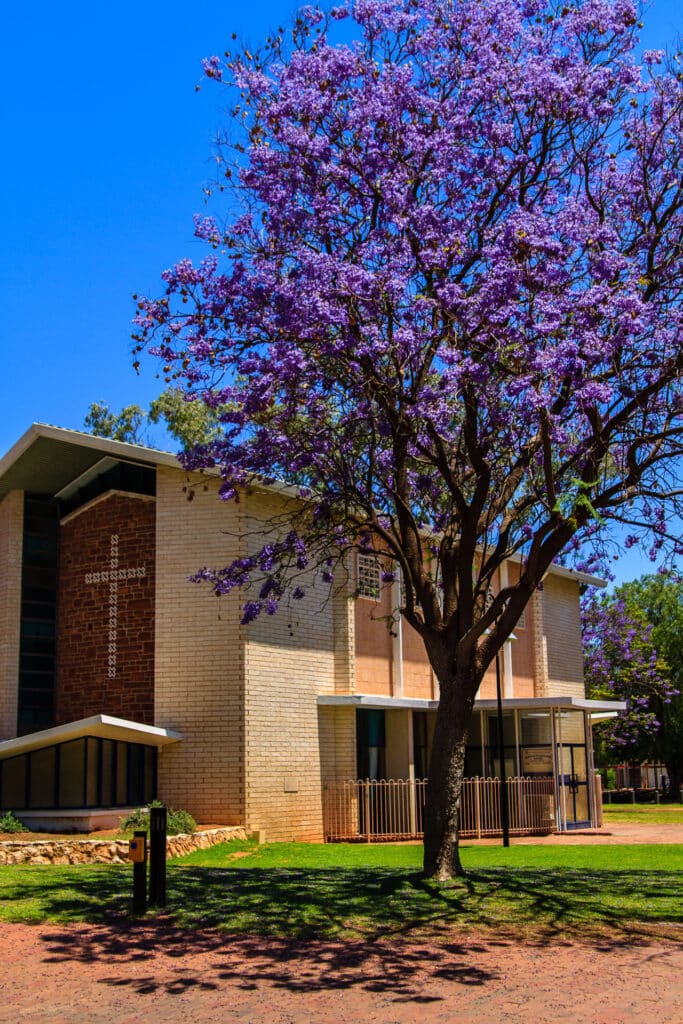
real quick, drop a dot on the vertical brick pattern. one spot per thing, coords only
(290, 659)
(562, 618)
(343, 610)
(199, 662)
(11, 543)
(87, 681)
(539, 643)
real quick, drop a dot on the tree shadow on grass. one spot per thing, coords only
(342, 927)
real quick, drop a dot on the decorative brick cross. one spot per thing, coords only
(112, 577)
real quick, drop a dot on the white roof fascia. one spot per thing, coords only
(101, 726)
(520, 703)
(119, 449)
(366, 700)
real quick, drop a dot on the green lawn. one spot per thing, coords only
(654, 814)
(302, 890)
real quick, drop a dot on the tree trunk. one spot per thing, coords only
(446, 771)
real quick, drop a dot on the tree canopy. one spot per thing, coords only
(443, 297)
(189, 423)
(633, 651)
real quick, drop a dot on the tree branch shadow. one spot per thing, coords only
(342, 927)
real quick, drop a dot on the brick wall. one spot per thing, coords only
(373, 652)
(289, 660)
(11, 541)
(337, 743)
(199, 662)
(418, 678)
(105, 647)
(562, 621)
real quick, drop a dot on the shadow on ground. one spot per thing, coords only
(399, 971)
(366, 928)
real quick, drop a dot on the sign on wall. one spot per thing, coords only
(537, 760)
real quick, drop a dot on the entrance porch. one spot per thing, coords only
(547, 754)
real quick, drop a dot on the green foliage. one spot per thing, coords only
(9, 823)
(178, 822)
(124, 426)
(659, 598)
(190, 423)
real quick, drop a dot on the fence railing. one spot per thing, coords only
(394, 808)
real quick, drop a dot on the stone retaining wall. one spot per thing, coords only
(106, 851)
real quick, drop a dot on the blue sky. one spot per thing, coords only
(106, 145)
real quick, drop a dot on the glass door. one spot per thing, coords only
(572, 767)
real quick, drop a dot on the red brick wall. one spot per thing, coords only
(96, 675)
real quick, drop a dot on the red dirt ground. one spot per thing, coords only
(136, 973)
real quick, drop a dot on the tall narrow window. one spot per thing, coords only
(370, 744)
(420, 744)
(368, 577)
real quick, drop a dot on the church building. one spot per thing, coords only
(120, 681)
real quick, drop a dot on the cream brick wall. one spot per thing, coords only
(562, 626)
(539, 643)
(337, 743)
(11, 546)
(199, 658)
(289, 660)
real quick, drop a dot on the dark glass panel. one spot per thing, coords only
(13, 791)
(71, 774)
(42, 786)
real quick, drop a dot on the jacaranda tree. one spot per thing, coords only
(632, 648)
(444, 299)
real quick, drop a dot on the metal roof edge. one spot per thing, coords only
(369, 700)
(106, 726)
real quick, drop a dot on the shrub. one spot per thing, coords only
(177, 820)
(8, 823)
(180, 821)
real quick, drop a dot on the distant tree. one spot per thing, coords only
(450, 309)
(189, 422)
(633, 651)
(126, 425)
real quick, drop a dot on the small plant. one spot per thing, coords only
(177, 821)
(9, 823)
(180, 822)
(136, 820)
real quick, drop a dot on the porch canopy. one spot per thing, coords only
(595, 708)
(95, 762)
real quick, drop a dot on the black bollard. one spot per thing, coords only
(157, 856)
(137, 852)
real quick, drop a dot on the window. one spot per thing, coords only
(368, 577)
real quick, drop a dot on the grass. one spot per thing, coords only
(654, 814)
(304, 891)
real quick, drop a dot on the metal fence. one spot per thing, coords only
(394, 808)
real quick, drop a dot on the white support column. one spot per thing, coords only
(411, 774)
(508, 681)
(397, 639)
